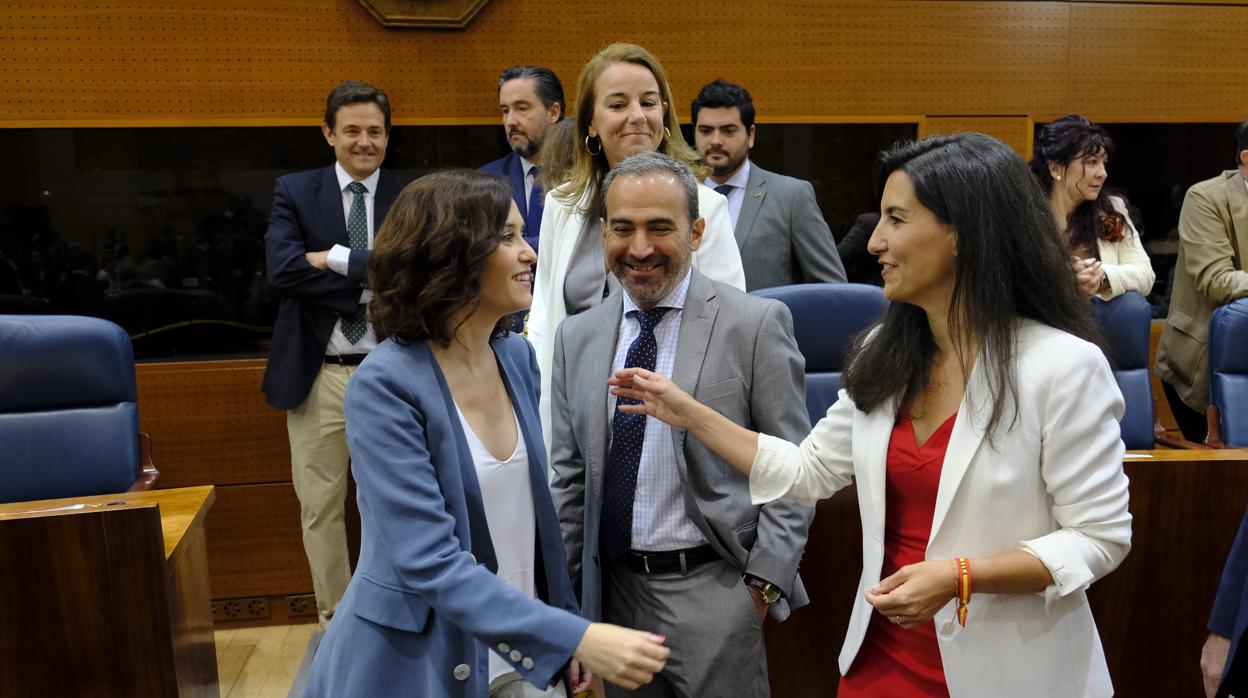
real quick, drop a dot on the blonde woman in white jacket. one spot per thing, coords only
(623, 107)
(1071, 162)
(985, 352)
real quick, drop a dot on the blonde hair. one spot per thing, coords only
(587, 172)
(558, 150)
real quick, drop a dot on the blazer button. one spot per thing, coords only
(461, 672)
(515, 655)
(504, 648)
(527, 663)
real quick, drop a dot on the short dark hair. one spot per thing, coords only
(354, 92)
(652, 163)
(1009, 265)
(721, 94)
(545, 83)
(426, 263)
(1241, 141)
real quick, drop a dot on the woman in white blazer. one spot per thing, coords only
(1072, 156)
(986, 330)
(623, 107)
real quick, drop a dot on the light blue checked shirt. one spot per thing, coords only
(660, 521)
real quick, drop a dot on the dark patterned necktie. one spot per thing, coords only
(724, 189)
(354, 327)
(627, 433)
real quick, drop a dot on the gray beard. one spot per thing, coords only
(528, 150)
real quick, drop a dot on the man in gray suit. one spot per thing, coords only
(660, 532)
(779, 227)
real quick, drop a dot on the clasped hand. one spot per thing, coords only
(914, 593)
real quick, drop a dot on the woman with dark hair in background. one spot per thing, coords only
(980, 422)
(1071, 160)
(462, 586)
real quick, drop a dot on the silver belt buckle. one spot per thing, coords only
(645, 563)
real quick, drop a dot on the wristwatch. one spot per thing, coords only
(771, 592)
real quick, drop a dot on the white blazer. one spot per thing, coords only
(1052, 484)
(717, 257)
(1125, 262)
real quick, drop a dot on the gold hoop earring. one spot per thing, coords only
(587, 148)
(667, 132)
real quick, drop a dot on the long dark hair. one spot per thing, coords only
(427, 259)
(1062, 142)
(1009, 266)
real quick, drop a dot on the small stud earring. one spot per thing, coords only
(1057, 177)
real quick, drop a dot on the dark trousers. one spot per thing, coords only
(1191, 422)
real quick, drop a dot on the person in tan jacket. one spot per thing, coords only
(1213, 241)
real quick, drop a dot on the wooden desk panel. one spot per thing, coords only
(107, 596)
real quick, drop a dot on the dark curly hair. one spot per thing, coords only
(425, 268)
(1062, 142)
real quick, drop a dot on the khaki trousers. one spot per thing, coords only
(318, 465)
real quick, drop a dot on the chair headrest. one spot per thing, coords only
(58, 361)
(1125, 323)
(1228, 338)
(826, 317)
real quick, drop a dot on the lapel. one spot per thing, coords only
(593, 366)
(515, 172)
(964, 441)
(1237, 199)
(387, 191)
(329, 197)
(697, 321)
(755, 192)
(479, 529)
(873, 474)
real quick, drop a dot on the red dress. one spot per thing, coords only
(894, 662)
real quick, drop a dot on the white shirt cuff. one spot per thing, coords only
(339, 259)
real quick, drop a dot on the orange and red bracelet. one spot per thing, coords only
(962, 586)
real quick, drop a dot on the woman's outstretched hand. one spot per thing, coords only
(625, 657)
(659, 396)
(914, 593)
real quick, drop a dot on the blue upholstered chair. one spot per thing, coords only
(1125, 324)
(1228, 371)
(69, 416)
(825, 318)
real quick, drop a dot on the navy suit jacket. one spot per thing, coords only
(511, 167)
(1229, 617)
(425, 604)
(308, 217)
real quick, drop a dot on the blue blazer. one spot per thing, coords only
(512, 168)
(425, 606)
(1229, 617)
(307, 217)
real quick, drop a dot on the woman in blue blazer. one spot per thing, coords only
(461, 587)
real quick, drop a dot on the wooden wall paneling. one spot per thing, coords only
(1151, 611)
(252, 62)
(1142, 61)
(1014, 131)
(209, 423)
(255, 543)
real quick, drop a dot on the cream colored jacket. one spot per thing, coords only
(1125, 262)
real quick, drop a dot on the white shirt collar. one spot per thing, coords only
(524, 163)
(369, 182)
(674, 298)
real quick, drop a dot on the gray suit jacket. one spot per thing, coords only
(736, 353)
(782, 235)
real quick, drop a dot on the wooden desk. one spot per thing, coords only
(107, 596)
(1151, 611)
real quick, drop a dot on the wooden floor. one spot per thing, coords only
(260, 662)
